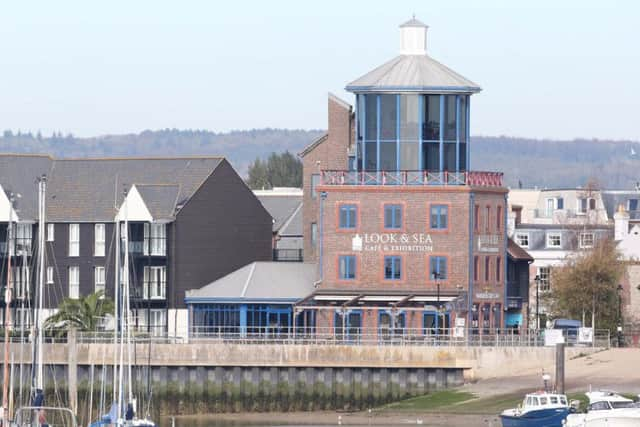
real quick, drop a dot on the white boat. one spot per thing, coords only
(607, 409)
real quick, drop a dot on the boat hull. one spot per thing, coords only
(610, 420)
(551, 417)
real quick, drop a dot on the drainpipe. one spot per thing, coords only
(323, 196)
(471, 263)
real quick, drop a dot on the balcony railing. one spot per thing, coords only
(391, 178)
(290, 255)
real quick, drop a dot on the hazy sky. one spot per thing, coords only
(552, 68)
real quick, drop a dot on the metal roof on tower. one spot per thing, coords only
(413, 70)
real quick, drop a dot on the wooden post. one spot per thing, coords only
(72, 369)
(560, 368)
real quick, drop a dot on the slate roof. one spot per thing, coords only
(291, 281)
(613, 199)
(18, 174)
(89, 190)
(282, 209)
(413, 73)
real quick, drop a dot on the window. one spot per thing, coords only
(632, 205)
(487, 261)
(438, 268)
(585, 204)
(522, 239)
(74, 239)
(348, 214)
(155, 239)
(554, 240)
(476, 268)
(20, 282)
(487, 218)
(23, 239)
(499, 218)
(544, 274)
(314, 234)
(347, 267)
(155, 284)
(315, 180)
(586, 240)
(393, 216)
(49, 275)
(439, 217)
(158, 322)
(553, 203)
(392, 268)
(476, 218)
(498, 265)
(50, 232)
(74, 282)
(98, 248)
(98, 274)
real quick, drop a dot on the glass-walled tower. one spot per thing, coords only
(412, 112)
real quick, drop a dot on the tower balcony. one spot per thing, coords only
(411, 178)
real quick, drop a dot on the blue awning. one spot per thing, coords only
(513, 319)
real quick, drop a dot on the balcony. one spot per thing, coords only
(287, 255)
(411, 178)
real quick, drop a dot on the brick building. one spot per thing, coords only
(404, 233)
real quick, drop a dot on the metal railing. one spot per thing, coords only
(384, 336)
(391, 178)
(290, 255)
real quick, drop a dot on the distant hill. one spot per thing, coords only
(542, 163)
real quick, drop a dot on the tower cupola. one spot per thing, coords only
(413, 38)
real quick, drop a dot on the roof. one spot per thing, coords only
(517, 253)
(613, 199)
(413, 23)
(90, 190)
(255, 282)
(160, 199)
(282, 209)
(413, 73)
(313, 145)
(18, 174)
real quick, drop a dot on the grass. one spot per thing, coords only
(461, 402)
(430, 402)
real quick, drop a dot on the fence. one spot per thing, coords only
(384, 336)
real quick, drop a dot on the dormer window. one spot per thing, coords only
(552, 204)
(586, 204)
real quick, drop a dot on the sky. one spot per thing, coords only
(549, 69)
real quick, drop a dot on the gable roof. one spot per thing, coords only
(90, 190)
(313, 145)
(281, 208)
(255, 282)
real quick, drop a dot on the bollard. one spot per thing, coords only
(560, 368)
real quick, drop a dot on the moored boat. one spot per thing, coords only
(607, 409)
(540, 409)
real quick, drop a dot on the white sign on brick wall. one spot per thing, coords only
(392, 242)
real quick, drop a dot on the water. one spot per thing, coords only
(324, 419)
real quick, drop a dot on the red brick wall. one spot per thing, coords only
(332, 153)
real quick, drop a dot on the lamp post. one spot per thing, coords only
(620, 288)
(436, 276)
(537, 280)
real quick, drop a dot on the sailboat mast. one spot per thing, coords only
(115, 314)
(42, 263)
(7, 321)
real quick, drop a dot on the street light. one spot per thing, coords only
(436, 276)
(537, 280)
(620, 288)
